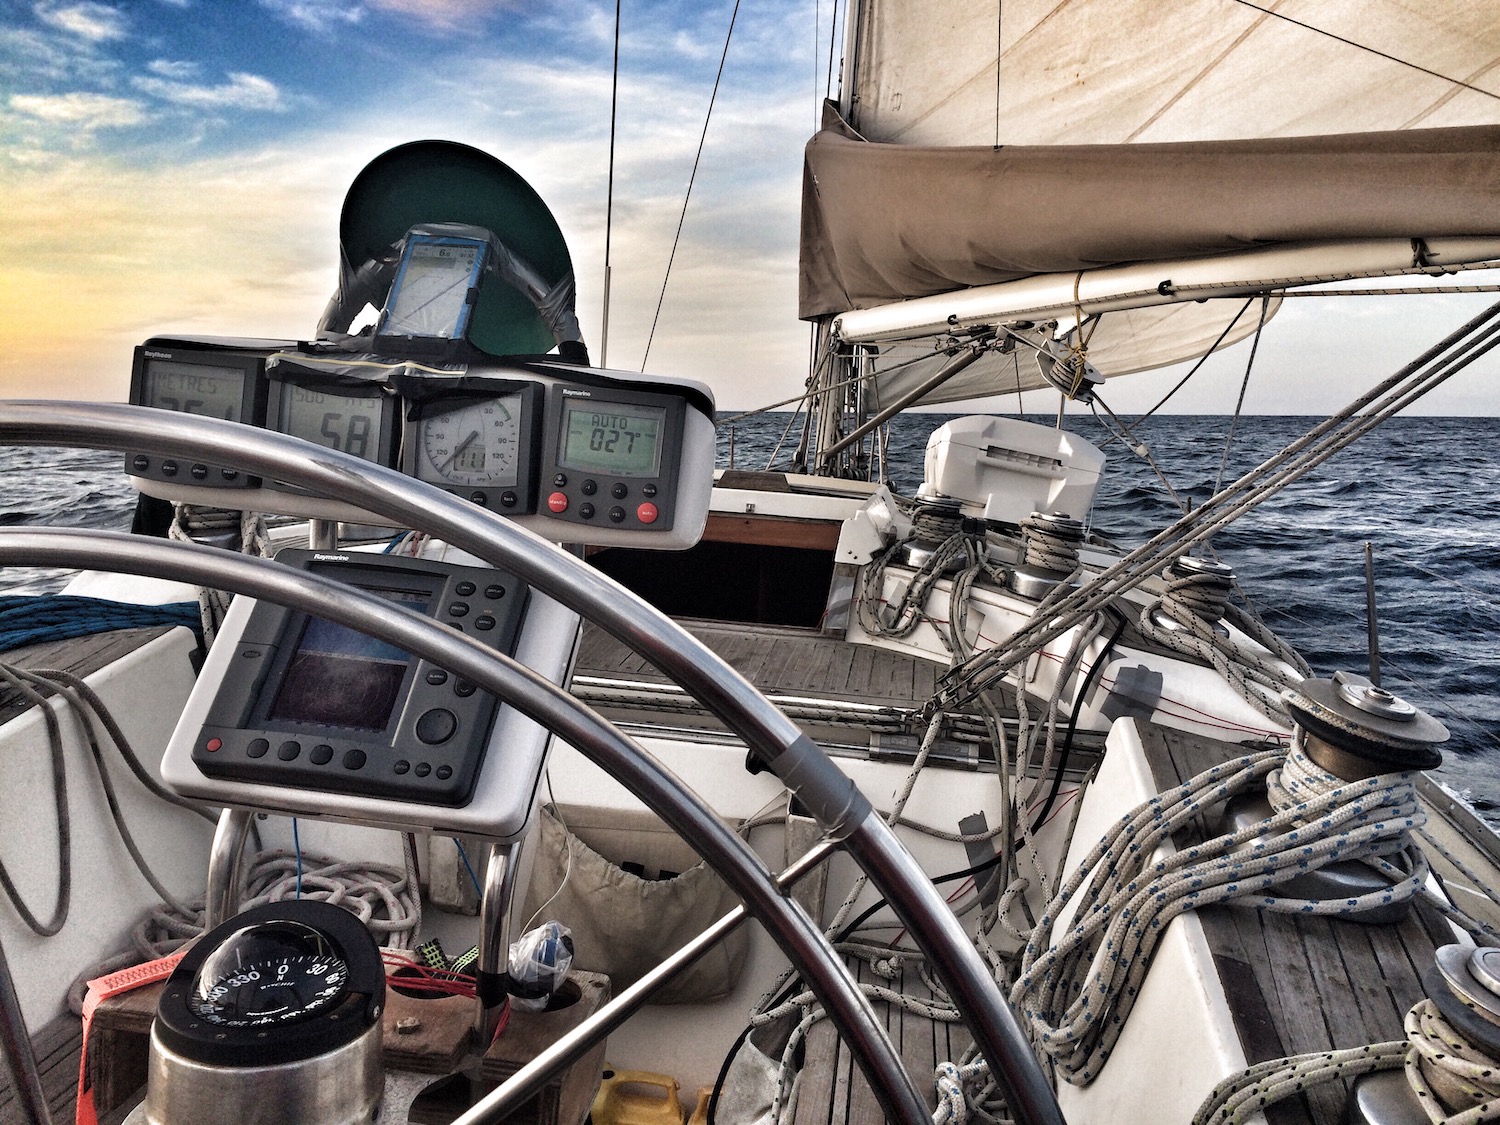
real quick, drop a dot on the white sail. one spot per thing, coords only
(947, 191)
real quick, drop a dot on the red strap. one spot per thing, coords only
(101, 989)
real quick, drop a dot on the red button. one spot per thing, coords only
(558, 502)
(212, 744)
(646, 513)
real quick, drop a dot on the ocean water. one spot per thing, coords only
(1425, 492)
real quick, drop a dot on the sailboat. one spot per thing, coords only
(1035, 827)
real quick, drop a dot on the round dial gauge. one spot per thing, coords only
(475, 446)
(271, 973)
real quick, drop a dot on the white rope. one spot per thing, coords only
(1076, 992)
(1454, 1081)
(1196, 601)
(254, 540)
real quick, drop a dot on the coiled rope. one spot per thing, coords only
(1195, 602)
(1050, 544)
(27, 620)
(1455, 1082)
(1076, 1009)
(189, 521)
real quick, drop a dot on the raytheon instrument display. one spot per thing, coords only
(611, 457)
(214, 379)
(574, 454)
(310, 703)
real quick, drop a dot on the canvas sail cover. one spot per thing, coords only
(1113, 132)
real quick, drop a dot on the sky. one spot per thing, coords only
(178, 166)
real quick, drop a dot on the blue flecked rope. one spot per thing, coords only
(26, 620)
(1076, 993)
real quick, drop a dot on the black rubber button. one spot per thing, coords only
(586, 511)
(257, 748)
(509, 499)
(494, 592)
(321, 754)
(617, 514)
(589, 487)
(403, 766)
(444, 772)
(199, 472)
(648, 490)
(437, 726)
(464, 589)
(484, 623)
(354, 759)
(463, 689)
(289, 750)
(458, 609)
(140, 462)
(560, 481)
(230, 474)
(423, 769)
(437, 676)
(169, 468)
(619, 491)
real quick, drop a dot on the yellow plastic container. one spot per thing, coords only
(700, 1111)
(637, 1097)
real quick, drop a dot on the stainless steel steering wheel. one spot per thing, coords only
(779, 744)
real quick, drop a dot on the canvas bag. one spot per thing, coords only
(624, 925)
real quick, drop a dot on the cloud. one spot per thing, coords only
(173, 69)
(321, 17)
(84, 111)
(98, 23)
(443, 13)
(242, 91)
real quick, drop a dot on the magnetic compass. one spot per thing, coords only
(272, 973)
(281, 982)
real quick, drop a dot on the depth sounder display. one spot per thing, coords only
(205, 389)
(211, 379)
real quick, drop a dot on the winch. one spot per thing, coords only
(1049, 553)
(1464, 986)
(1198, 588)
(1352, 729)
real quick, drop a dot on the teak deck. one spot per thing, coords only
(782, 660)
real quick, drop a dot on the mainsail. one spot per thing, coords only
(1037, 159)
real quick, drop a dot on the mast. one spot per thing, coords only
(837, 376)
